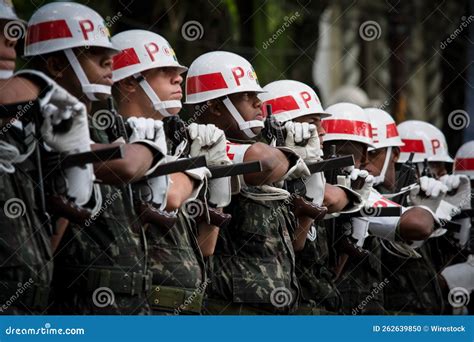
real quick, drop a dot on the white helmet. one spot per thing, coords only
(464, 160)
(426, 140)
(62, 26)
(291, 99)
(7, 11)
(218, 74)
(348, 122)
(384, 135)
(143, 50)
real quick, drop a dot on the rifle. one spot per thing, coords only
(406, 176)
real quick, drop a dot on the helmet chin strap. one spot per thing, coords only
(5, 74)
(158, 105)
(87, 88)
(381, 178)
(244, 126)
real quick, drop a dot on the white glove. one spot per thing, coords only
(208, 141)
(298, 170)
(315, 185)
(149, 132)
(434, 192)
(366, 188)
(462, 187)
(77, 138)
(63, 106)
(460, 275)
(199, 175)
(296, 133)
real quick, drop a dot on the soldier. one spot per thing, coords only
(101, 265)
(252, 270)
(431, 156)
(148, 81)
(412, 286)
(297, 106)
(349, 130)
(25, 251)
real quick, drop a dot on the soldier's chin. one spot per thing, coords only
(102, 96)
(256, 130)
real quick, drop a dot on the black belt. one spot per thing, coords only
(120, 282)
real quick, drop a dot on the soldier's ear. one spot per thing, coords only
(395, 154)
(56, 65)
(128, 85)
(215, 107)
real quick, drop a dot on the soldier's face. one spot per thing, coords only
(97, 65)
(7, 49)
(375, 163)
(314, 119)
(346, 148)
(166, 82)
(249, 107)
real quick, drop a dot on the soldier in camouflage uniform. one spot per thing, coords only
(412, 286)
(100, 266)
(296, 102)
(176, 257)
(252, 270)
(361, 282)
(25, 252)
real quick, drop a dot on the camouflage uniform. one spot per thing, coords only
(25, 252)
(178, 268)
(253, 266)
(109, 252)
(318, 292)
(412, 286)
(361, 283)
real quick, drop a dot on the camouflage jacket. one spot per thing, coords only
(25, 251)
(312, 270)
(254, 261)
(106, 254)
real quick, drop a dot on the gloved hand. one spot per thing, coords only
(148, 131)
(315, 185)
(208, 141)
(63, 106)
(77, 138)
(459, 190)
(433, 192)
(298, 170)
(366, 180)
(460, 275)
(297, 133)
